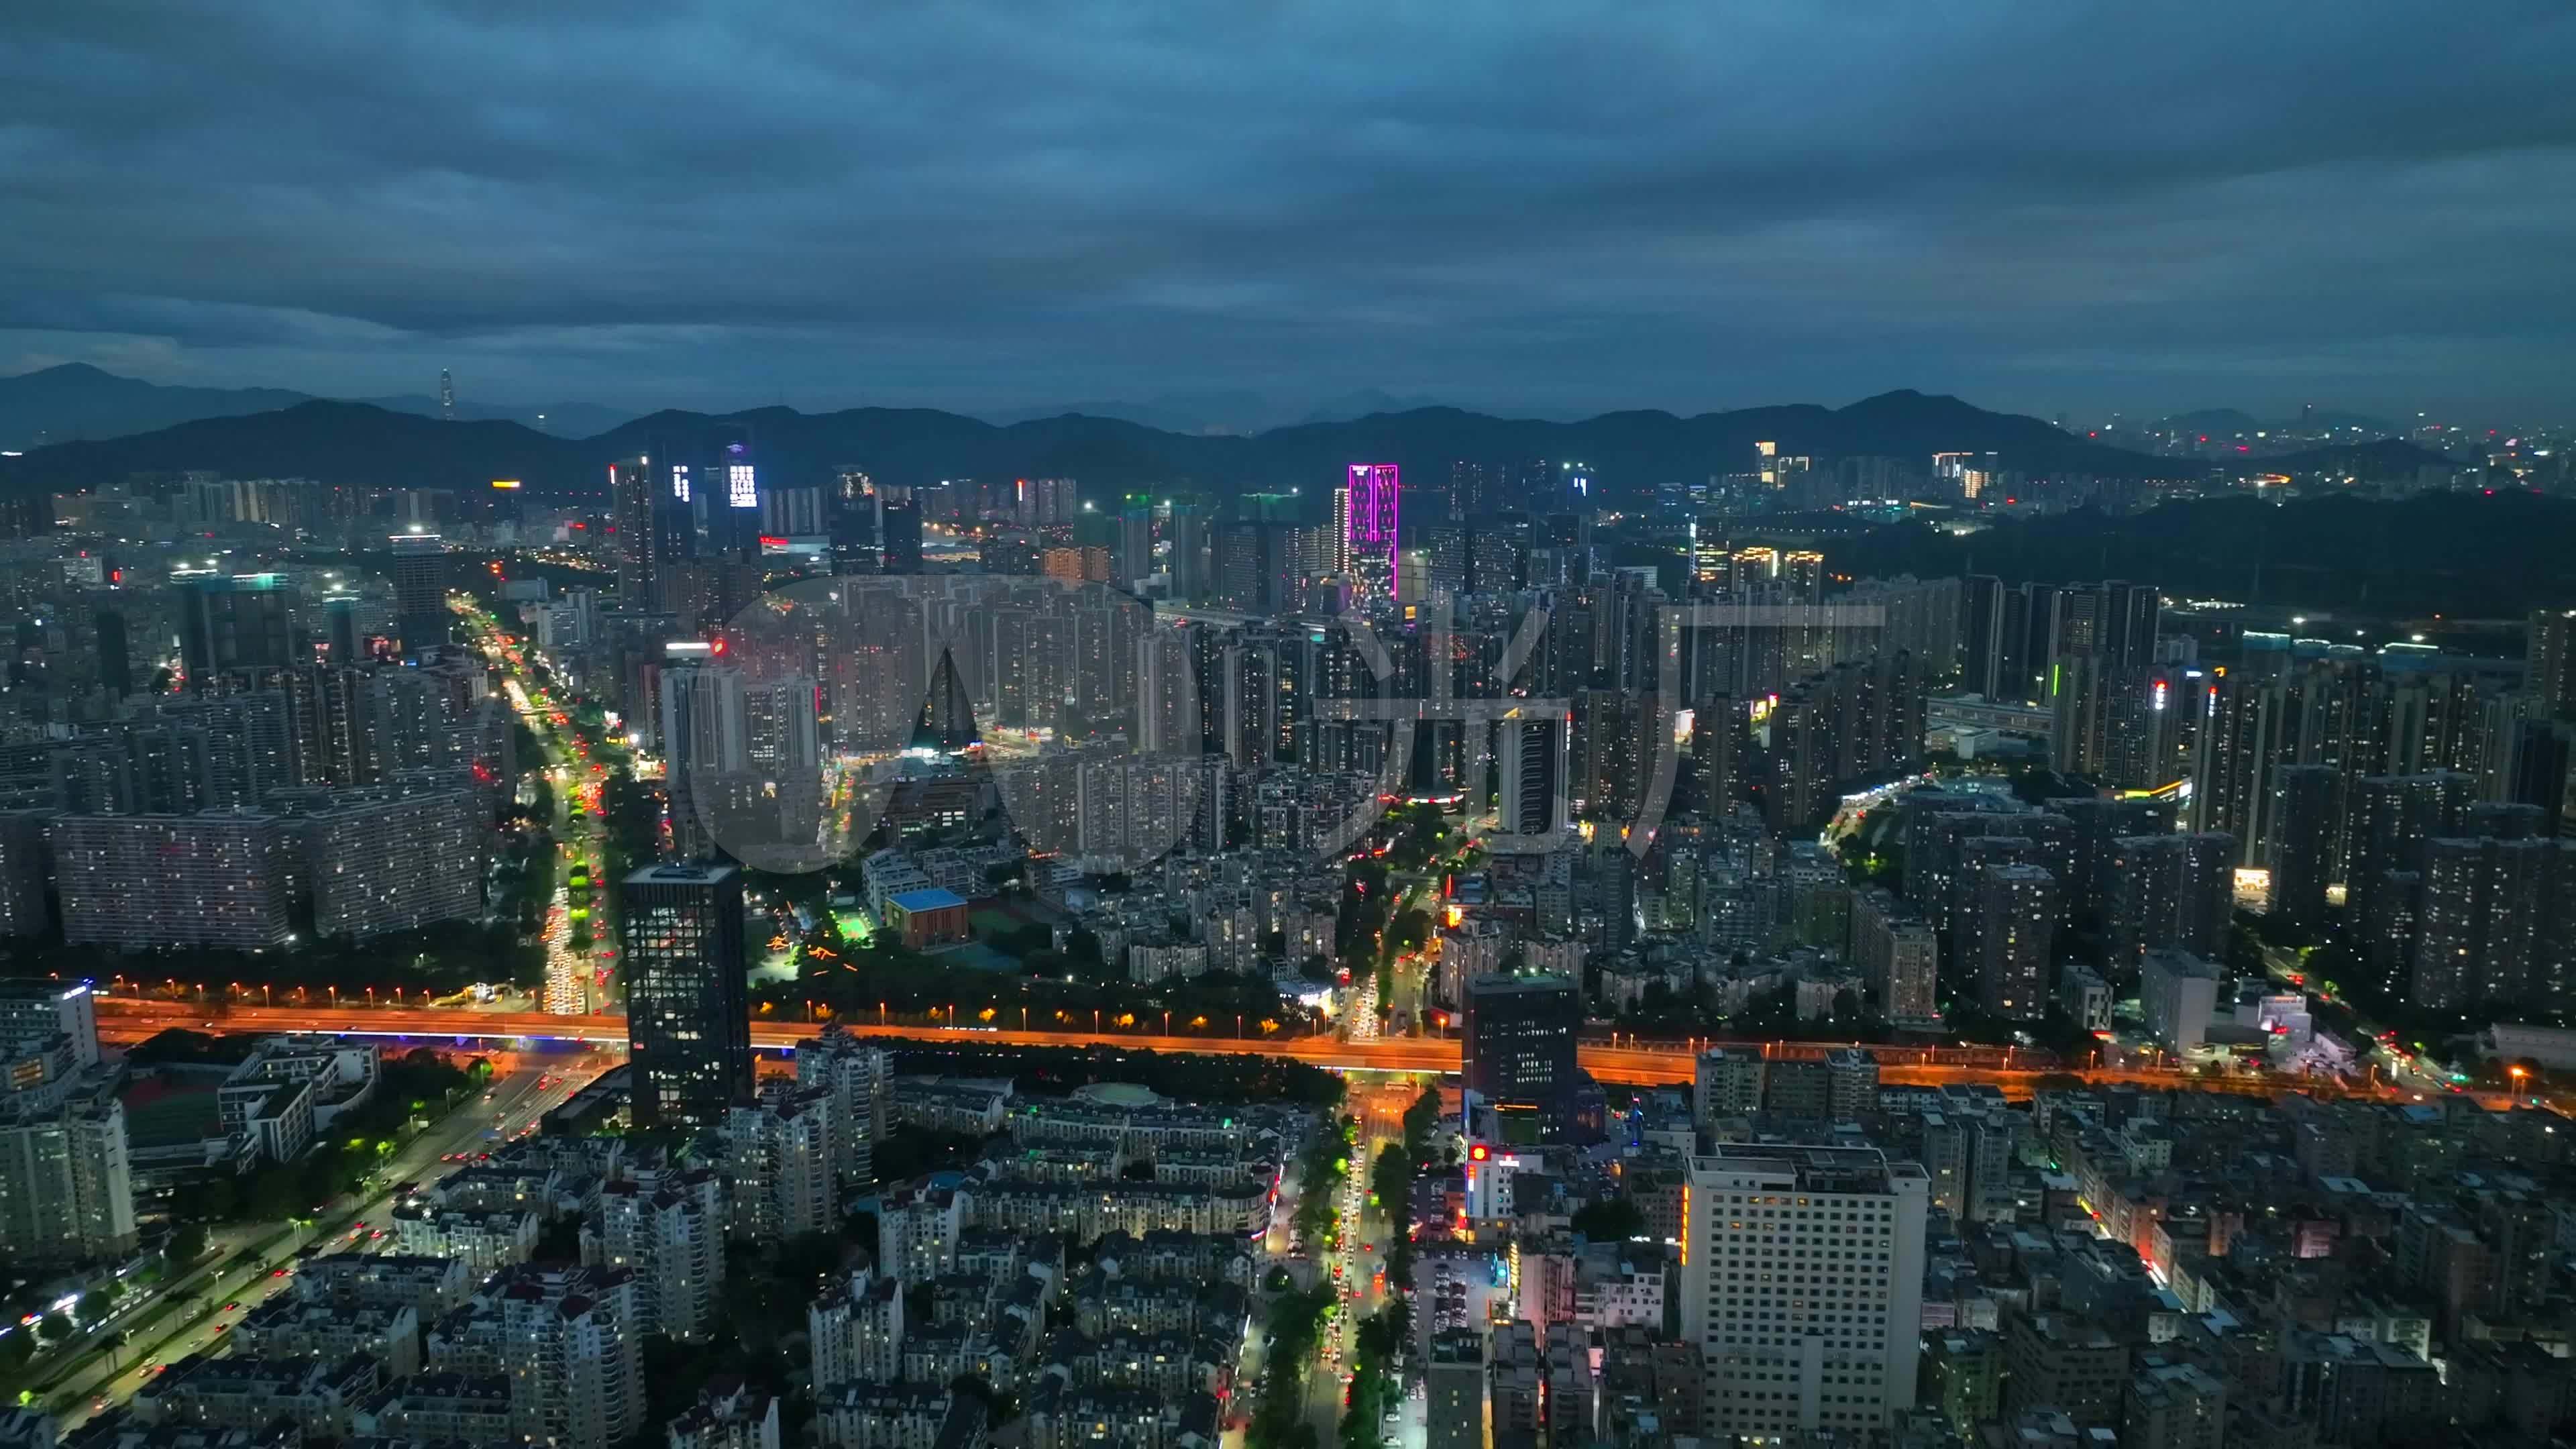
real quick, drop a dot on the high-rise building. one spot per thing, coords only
(706, 738)
(242, 623)
(1532, 760)
(212, 879)
(2170, 891)
(899, 535)
(632, 502)
(420, 592)
(2497, 922)
(66, 1186)
(2303, 845)
(396, 858)
(1518, 1046)
(859, 1077)
(1367, 505)
(687, 1013)
(32, 1009)
(2014, 920)
(1802, 1287)
(670, 1233)
(2550, 662)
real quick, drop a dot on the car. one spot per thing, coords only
(232, 1308)
(277, 1273)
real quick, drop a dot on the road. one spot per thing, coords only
(572, 976)
(128, 1019)
(225, 1290)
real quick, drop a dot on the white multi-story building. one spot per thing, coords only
(780, 1157)
(566, 1339)
(857, 1332)
(860, 1079)
(1802, 1285)
(671, 1235)
(66, 1189)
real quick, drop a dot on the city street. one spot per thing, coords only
(509, 1105)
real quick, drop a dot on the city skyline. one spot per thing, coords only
(2137, 211)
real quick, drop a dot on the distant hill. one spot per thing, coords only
(362, 444)
(76, 402)
(2471, 555)
(2231, 423)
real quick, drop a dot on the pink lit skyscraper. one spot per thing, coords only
(1368, 540)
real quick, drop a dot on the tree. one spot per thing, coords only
(188, 1240)
(94, 1305)
(54, 1327)
(1610, 1219)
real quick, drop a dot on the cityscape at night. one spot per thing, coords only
(1300, 727)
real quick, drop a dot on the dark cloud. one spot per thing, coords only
(1537, 205)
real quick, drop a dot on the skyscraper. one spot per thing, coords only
(1367, 507)
(688, 1022)
(1532, 761)
(1802, 1287)
(1518, 1046)
(420, 592)
(236, 623)
(632, 506)
(2550, 662)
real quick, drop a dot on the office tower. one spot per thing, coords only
(1835, 1351)
(899, 535)
(216, 879)
(687, 1013)
(1191, 560)
(115, 652)
(2171, 892)
(790, 513)
(420, 592)
(1518, 1047)
(2178, 992)
(2496, 923)
(1454, 1385)
(1726, 1082)
(705, 734)
(25, 869)
(2012, 940)
(2303, 846)
(632, 500)
(1532, 757)
(240, 623)
(1369, 501)
(2549, 662)
(34, 1009)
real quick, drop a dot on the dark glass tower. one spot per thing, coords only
(688, 1017)
(1518, 1048)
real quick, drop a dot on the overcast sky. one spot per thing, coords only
(1538, 207)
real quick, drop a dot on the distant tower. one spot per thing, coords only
(446, 396)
